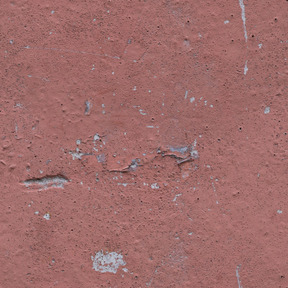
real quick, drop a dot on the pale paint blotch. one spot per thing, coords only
(260, 45)
(246, 67)
(279, 211)
(88, 106)
(142, 112)
(192, 99)
(96, 137)
(123, 184)
(226, 21)
(46, 216)
(101, 158)
(77, 154)
(267, 110)
(155, 186)
(242, 6)
(182, 150)
(108, 262)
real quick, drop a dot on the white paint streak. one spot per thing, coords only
(238, 276)
(108, 262)
(142, 112)
(176, 196)
(186, 94)
(242, 6)
(246, 67)
(214, 189)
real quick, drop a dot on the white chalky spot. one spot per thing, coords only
(108, 262)
(155, 186)
(267, 110)
(47, 216)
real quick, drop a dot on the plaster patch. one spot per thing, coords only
(108, 262)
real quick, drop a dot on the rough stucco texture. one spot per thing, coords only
(143, 143)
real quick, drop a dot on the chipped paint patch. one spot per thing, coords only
(88, 107)
(46, 216)
(155, 186)
(108, 262)
(181, 150)
(267, 110)
(46, 182)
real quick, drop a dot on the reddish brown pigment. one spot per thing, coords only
(133, 130)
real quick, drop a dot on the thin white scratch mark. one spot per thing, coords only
(214, 189)
(71, 51)
(43, 79)
(186, 94)
(176, 196)
(246, 67)
(242, 6)
(238, 276)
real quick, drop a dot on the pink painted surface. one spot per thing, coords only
(143, 144)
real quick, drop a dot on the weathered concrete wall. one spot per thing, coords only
(143, 143)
